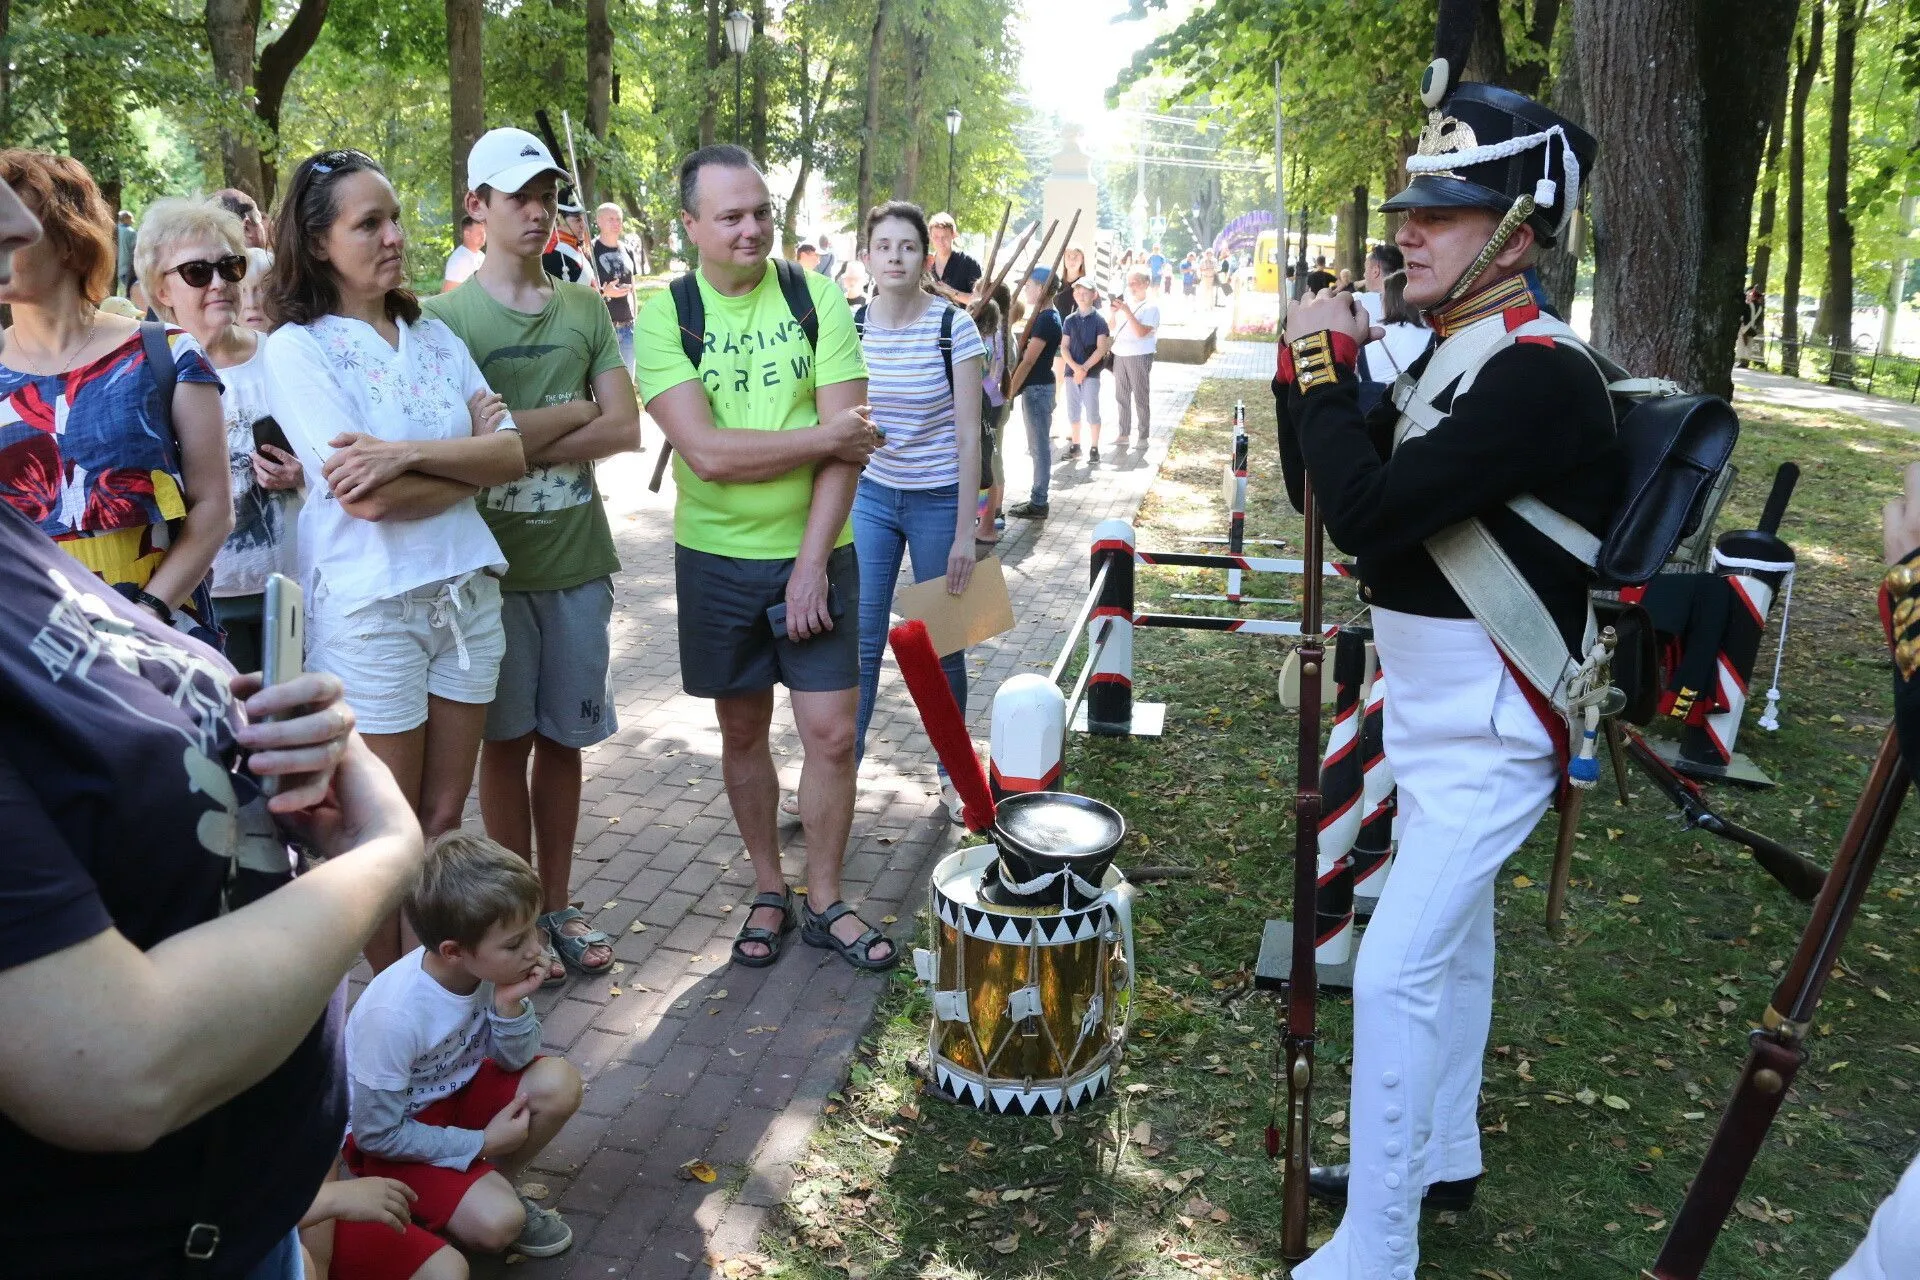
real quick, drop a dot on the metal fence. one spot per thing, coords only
(1876, 372)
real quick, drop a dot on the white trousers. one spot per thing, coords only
(1891, 1250)
(1475, 769)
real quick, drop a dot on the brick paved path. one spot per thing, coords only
(686, 1056)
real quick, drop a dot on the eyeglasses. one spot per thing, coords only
(199, 273)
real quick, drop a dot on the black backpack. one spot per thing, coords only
(946, 336)
(691, 311)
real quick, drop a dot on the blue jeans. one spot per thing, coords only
(623, 334)
(886, 522)
(1036, 404)
(281, 1264)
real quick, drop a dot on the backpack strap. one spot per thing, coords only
(860, 321)
(153, 340)
(946, 342)
(793, 287)
(690, 313)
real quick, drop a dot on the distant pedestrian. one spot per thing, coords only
(565, 259)
(829, 265)
(253, 291)
(996, 390)
(855, 282)
(956, 275)
(1033, 382)
(1320, 278)
(807, 256)
(466, 256)
(1085, 350)
(1136, 328)
(614, 268)
(1189, 276)
(1753, 318)
(1156, 266)
(1343, 283)
(1073, 269)
(124, 237)
(253, 223)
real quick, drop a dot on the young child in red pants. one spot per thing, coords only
(448, 1092)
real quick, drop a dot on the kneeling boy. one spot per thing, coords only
(449, 1095)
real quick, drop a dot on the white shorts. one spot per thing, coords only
(443, 639)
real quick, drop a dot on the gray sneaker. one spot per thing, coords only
(545, 1234)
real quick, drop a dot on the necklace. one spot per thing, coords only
(64, 360)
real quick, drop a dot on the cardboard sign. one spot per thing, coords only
(981, 612)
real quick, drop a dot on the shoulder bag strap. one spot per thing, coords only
(793, 287)
(946, 342)
(690, 313)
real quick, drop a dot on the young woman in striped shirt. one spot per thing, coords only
(918, 349)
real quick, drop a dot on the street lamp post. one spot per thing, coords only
(739, 37)
(953, 137)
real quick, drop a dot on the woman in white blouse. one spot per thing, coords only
(397, 431)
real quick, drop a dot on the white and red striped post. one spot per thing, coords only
(1110, 631)
(1027, 743)
(1235, 486)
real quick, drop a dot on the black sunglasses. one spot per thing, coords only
(199, 273)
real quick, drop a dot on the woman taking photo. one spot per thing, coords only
(194, 258)
(389, 416)
(924, 358)
(130, 478)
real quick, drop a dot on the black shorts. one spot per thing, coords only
(727, 647)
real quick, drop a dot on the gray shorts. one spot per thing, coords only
(727, 649)
(553, 679)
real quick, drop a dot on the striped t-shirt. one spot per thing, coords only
(911, 401)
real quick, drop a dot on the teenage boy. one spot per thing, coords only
(548, 347)
(770, 429)
(1086, 339)
(956, 275)
(1033, 383)
(614, 268)
(448, 1093)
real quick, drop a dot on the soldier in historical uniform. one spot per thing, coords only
(1502, 434)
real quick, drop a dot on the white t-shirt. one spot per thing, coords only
(463, 262)
(407, 1032)
(338, 375)
(1388, 358)
(907, 389)
(262, 540)
(1124, 343)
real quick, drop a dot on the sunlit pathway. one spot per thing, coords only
(686, 1057)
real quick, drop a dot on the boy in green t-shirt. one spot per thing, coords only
(549, 349)
(769, 434)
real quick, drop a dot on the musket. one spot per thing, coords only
(1777, 1048)
(1303, 980)
(1013, 256)
(993, 254)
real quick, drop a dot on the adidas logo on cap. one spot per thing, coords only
(530, 150)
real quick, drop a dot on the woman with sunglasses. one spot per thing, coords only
(397, 430)
(130, 480)
(193, 256)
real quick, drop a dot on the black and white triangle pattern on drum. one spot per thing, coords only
(997, 1098)
(1054, 930)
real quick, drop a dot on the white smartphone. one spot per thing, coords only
(283, 638)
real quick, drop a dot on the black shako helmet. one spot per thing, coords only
(1485, 147)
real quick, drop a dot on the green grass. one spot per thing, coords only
(1672, 943)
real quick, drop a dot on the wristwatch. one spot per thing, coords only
(136, 595)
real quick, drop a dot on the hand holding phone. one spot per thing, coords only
(283, 629)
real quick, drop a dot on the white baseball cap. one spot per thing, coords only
(507, 160)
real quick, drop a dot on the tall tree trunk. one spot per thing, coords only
(1487, 59)
(1560, 265)
(1769, 194)
(810, 109)
(1808, 53)
(278, 62)
(1835, 322)
(710, 111)
(233, 27)
(757, 103)
(909, 182)
(466, 81)
(864, 186)
(1527, 77)
(1678, 93)
(599, 96)
(1353, 222)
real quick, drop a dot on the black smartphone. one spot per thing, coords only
(777, 614)
(268, 431)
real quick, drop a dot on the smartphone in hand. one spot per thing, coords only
(777, 614)
(283, 627)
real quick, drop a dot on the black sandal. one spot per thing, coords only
(817, 931)
(768, 938)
